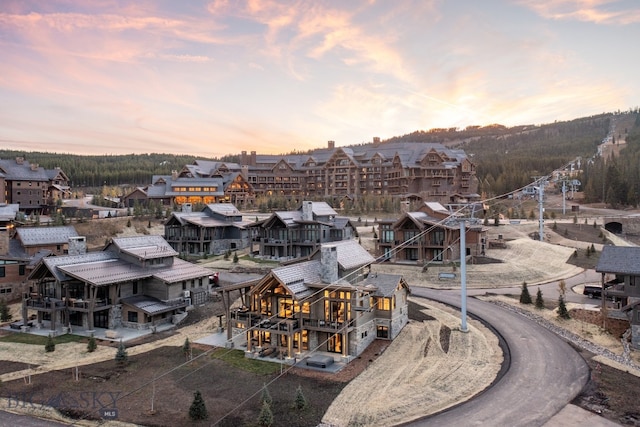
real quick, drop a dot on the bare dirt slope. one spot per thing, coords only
(444, 364)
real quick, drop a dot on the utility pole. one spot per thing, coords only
(541, 184)
(463, 276)
(564, 197)
(456, 214)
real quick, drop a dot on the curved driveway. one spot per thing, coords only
(544, 374)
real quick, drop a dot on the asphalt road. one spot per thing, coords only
(543, 376)
(14, 420)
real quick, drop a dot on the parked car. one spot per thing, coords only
(592, 291)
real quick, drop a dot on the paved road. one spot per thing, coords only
(544, 372)
(14, 420)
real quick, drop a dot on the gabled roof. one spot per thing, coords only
(223, 209)
(38, 236)
(619, 260)
(384, 284)
(15, 171)
(321, 209)
(106, 268)
(8, 212)
(351, 254)
(51, 264)
(295, 277)
(144, 247)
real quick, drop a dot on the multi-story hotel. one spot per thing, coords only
(411, 170)
(414, 170)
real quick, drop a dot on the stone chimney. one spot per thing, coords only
(329, 264)
(77, 245)
(34, 166)
(243, 158)
(252, 160)
(331, 145)
(20, 160)
(187, 208)
(404, 206)
(174, 174)
(376, 140)
(4, 241)
(244, 171)
(307, 211)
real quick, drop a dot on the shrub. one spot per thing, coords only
(265, 419)
(300, 402)
(186, 348)
(265, 396)
(50, 345)
(5, 316)
(525, 296)
(235, 257)
(198, 410)
(539, 300)
(92, 345)
(563, 313)
(121, 354)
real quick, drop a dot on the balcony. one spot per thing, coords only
(323, 325)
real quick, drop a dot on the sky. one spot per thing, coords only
(210, 78)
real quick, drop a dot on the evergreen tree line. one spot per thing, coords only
(506, 159)
(615, 180)
(511, 162)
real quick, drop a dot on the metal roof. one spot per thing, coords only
(105, 268)
(35, 236)
(148, 304)
(146, 247)
(619, 260)
(24, 171)
(351, 254)
(384, 284)
(8, 212)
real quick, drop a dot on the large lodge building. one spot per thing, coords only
(425, 171)
(410, 170)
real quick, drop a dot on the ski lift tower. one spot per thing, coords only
(541, 181)
(463, 214)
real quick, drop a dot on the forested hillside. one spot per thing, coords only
(96, 171)
(506, 158)
(616, 180)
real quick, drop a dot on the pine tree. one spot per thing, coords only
(92, 345)
(563, 313)
(50, 345)
(198, 410)
(265, 396)
(539, 300)
(265, 419)
(5, 316)
(300, 402)
(525, 296)
(121, 354)
(186, 348)
(235, 257)
(593, 248)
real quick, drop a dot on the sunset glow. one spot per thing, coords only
(210, 78)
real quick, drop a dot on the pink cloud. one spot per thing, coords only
(609, 12)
